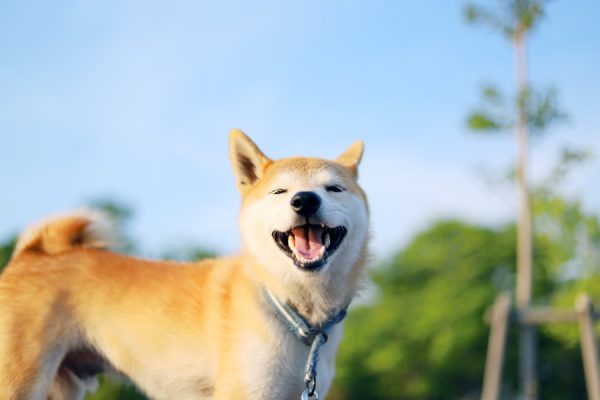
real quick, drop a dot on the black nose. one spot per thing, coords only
(306, 203)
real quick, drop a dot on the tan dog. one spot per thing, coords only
(70, 309)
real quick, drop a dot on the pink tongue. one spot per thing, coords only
(308, 241)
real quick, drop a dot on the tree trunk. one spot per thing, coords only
(528, 339)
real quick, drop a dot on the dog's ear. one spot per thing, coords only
(351, 157)
(247, 161)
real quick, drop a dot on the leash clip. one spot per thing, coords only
(310, 395)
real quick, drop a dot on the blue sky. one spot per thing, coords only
(134, 101)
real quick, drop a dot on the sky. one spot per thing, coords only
(133, 101)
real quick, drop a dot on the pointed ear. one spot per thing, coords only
(351, 157)
(247, 161)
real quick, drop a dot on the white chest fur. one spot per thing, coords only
(275, 369)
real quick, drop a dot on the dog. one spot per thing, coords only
(226, 328)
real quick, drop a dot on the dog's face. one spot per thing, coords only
(300, 217)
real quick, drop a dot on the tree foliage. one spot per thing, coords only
(534, 109)
(428, 316)
(512, 18)
(495, 112)
(423, 337)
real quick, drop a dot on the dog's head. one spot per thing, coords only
(300, 217)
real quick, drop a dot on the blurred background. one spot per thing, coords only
(127, 106)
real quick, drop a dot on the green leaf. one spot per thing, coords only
(480, 122)
(540, 108)
(492, 114)
(513, 18)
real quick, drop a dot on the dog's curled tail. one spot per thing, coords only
(80, 229)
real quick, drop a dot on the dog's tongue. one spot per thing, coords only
(307, 240)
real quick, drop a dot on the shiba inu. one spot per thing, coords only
(226, 328)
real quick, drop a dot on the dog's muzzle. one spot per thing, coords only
(309, 245)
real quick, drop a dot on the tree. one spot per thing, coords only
(423, 335)
(427, 316)
(531, 112)
(574, 235)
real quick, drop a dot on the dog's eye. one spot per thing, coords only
(279, 191)
(334, 188)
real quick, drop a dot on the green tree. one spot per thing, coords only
(423, 335)
(427, 317)
(574, 235)
(529, 112)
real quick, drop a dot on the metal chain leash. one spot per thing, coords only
(311, 336)
(310, 372)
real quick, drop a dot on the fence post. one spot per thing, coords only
(492, 378)
(589, 345)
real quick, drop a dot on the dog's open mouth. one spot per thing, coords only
(309, 245)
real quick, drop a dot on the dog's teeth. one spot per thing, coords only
(327, 240)
(291, 242)
(322, 251)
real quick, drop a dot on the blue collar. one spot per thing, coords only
(313, 336)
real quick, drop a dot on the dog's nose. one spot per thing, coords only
(306, 203)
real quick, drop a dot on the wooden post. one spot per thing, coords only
(496, 344)
(527, 334)
(528, 361)
(500, 318)
(589, 346)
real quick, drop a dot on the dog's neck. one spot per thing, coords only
(317, 308)
(316, 297)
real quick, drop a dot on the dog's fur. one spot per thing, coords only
(69, 308)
